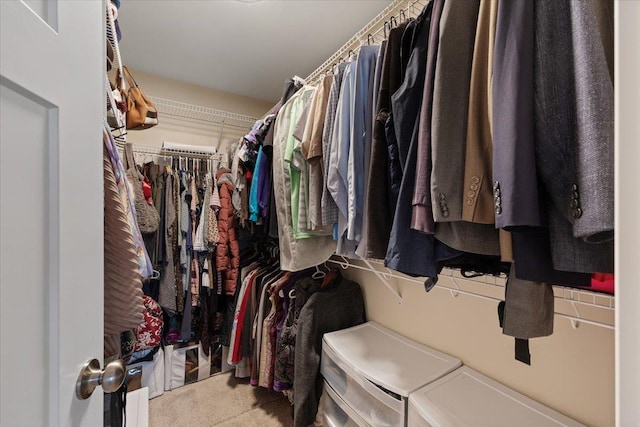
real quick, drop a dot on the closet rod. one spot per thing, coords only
(373, 27)
(562, 294)
(223, 158)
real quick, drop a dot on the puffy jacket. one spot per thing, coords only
(228, 249)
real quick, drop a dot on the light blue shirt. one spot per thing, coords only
(361, 124)
(338, 175)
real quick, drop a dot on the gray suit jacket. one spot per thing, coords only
(574, 130)
(450, 107)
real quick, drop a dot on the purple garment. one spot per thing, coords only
(251, 136)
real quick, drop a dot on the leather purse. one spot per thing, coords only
(141, 112)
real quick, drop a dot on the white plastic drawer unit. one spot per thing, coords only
(373, 370)
(466, 398)
(336, 412)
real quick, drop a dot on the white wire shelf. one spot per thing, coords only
(146, 149)
(203, 114)
(576, 305)
(411, 9)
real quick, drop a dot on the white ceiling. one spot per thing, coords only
(245, 47)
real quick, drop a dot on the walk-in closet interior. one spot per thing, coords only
(377, 213)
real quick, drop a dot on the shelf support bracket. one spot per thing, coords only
(384, 279)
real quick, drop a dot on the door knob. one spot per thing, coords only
(110, 378)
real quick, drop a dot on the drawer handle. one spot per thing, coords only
(388, 392)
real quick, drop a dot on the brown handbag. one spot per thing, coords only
(141, 112)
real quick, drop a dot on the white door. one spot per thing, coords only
(51, 209)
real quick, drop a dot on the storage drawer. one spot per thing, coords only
(467, 398)
(337, 413)
(414, 419)
(377, 407)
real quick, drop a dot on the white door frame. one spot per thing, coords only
(627, 273)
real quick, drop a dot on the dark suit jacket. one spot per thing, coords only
(574, 131)
(410, 251)
(515, 183)
(379, 215)
(519, 206)
(422, 216)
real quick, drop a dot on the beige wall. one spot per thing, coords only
(193, 132)
(572, 371)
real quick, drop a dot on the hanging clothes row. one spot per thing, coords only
(186, 213)
(251, 168)
(278, 323)
(478, 136)
(427, 175)
(428, 172)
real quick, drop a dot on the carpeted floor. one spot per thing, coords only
(221, 400)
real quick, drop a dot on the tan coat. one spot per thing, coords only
(477, 199)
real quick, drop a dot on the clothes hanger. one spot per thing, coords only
(318, 274)
(299, 80)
